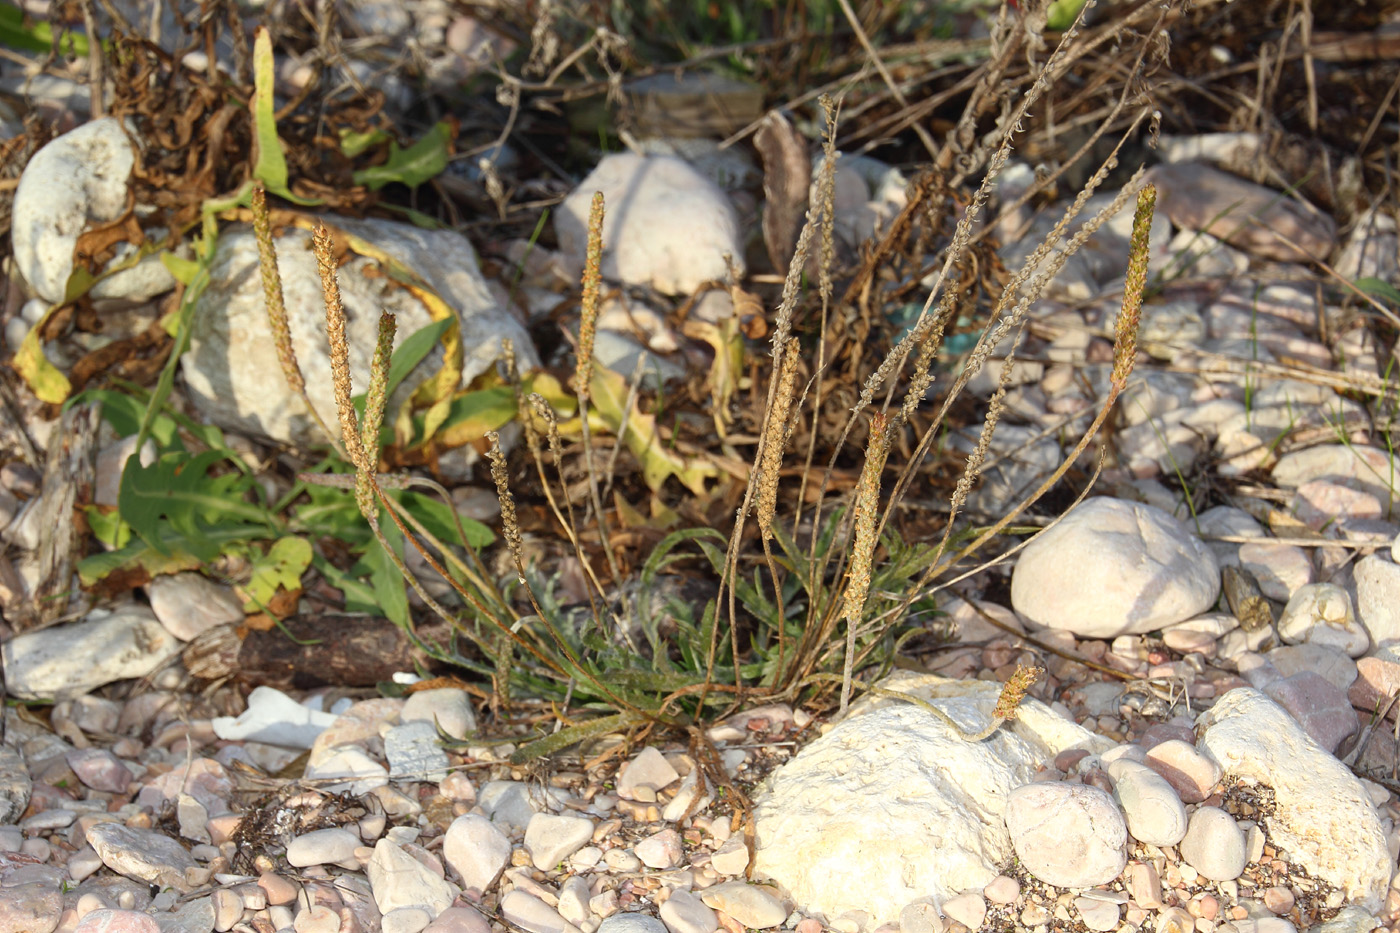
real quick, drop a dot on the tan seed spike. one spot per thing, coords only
(377, 394)
(340, 349)
(510, 523)
(1015, 691)
(1135, 283)
(272, 292)
(592, 288)
(867, 513)
(778, 429)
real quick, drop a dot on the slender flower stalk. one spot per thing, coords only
(509, 520)
(779, 426)
(867, 512)
(322, 245)
(1135, 282)
(377, 395)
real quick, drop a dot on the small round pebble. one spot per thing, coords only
(1153, 811)
(1190, 772)
(1214, 844)
(1002, 890)
(750, 904)
(969, 909)
(1278, 899)
(321, 847)
(1068, 835)
(631, 923)
(1098, 914)
(660, 850)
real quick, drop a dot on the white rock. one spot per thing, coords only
(1151, 808)
(1098, 914)
(889, 806)
(1280, 568)
(683, 912)
(1135, 569)
(513, 804)
(646, 774)
(574, 895)
(551, 839)
(400, 880)
(534, 915)
(660, 850)
(78, 180)
(1214, 844)
(274, 718)
(414, 752)
(477, 850)
(1372, 469)
(231, 370)
(322, 847)
(665, 225)
(1378, 598)
(353, 770)
(449, 707)
(969, 909)
(142, 854)
(69, 660)
(1069, 835)
(1323, 818)
(731, 858)
(189, 604)
(752, 905)
(1321, 614)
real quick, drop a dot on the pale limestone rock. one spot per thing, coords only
(890, 806)
(665, 225)
(1113, 567)
(1323, 818)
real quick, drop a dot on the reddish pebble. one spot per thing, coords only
(1190, 773)
(1067, 759)
(1278, 899)
(808, 925)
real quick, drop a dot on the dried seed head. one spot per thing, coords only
(867, 511)
(1125, 346)
(1015, 691)
(272, 292)
(340, 349)
(544, 411)
(592, 287)
(777, 430)
(377, 395)
(509, 521)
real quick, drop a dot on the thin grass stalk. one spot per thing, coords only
(583, 367)
(782, 332)
(867, 510)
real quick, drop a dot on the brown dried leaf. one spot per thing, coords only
(787, 177)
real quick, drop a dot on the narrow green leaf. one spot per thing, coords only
(269, 165)
(1379, 288)
(353, 143)
(420, 162)
(573, 735)
(390, 590)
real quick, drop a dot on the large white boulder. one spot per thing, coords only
(232, 371)
(1113, 567)
(1323, 819)
(891, 806)
(665, 224)
(78, 180)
